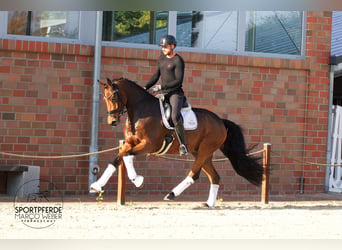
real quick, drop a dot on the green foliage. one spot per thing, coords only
(131, 22)
(134, 22)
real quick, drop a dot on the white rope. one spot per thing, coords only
(58, 157)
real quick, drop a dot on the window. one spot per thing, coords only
(274, 32)
(61, 24)
(145, 27)
(216, 30)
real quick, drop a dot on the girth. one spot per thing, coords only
(167, 143)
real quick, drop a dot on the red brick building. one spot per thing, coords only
(46, 101)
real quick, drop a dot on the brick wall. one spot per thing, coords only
(46, 93)
(45, 109)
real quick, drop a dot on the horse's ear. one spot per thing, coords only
(103, 85)
(109, 82)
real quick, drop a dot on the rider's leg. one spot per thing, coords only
(176, 101)
(132, 175)
(179, 128)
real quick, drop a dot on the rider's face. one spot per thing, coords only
(167, 50)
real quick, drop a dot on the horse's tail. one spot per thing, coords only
(235, 149)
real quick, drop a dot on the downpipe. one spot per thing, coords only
(329, 136)
(93, 159)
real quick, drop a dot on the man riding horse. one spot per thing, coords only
(144, 134)
(170, 68)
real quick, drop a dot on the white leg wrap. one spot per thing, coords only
(97, 186)
(128, 160)
(106, 175)
(132, 175)
(212, 195)
(183, 185)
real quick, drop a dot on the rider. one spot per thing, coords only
(170, 68)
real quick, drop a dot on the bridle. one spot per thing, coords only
(116, 98)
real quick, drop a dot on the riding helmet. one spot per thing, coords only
(168, 40)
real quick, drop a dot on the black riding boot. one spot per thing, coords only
(179, 128)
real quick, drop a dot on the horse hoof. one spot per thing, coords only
(141, 186)
(206, 205)
(95, 188)
(138, 181)
(169, 197)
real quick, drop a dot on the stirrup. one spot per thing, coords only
(183, 150)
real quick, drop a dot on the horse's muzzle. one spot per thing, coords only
(114, 123)
(111, 120)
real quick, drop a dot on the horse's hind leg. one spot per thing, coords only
(213, 176)
(180, 188)
(214, 179)
(189, 180)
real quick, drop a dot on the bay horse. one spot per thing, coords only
(144, 133)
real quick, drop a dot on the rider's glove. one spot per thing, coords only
(156, 88)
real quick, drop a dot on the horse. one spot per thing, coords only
(144, 133)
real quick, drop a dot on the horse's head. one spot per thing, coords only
(115, 106)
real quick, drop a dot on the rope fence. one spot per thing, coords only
(161, 156)
(122, 173)
(58, 157)
(308, 162)
(105, 151)
(190, 160)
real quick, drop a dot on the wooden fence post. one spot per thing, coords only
(266, 175)
(122, 176)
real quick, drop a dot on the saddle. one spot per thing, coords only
(188, 115)
(189, 121)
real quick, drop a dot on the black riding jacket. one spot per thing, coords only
(171, 71)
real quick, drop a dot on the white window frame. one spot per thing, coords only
(172, 26)
(272, 55)
(87, 31)
(86, 35)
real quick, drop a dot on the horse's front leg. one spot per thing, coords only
(96, 187)
(128, 152)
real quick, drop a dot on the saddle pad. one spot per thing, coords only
(189, 117)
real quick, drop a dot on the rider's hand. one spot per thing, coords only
(156, 88)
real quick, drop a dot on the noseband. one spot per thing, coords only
(116, 98)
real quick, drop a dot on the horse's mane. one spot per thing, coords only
(132, 84)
